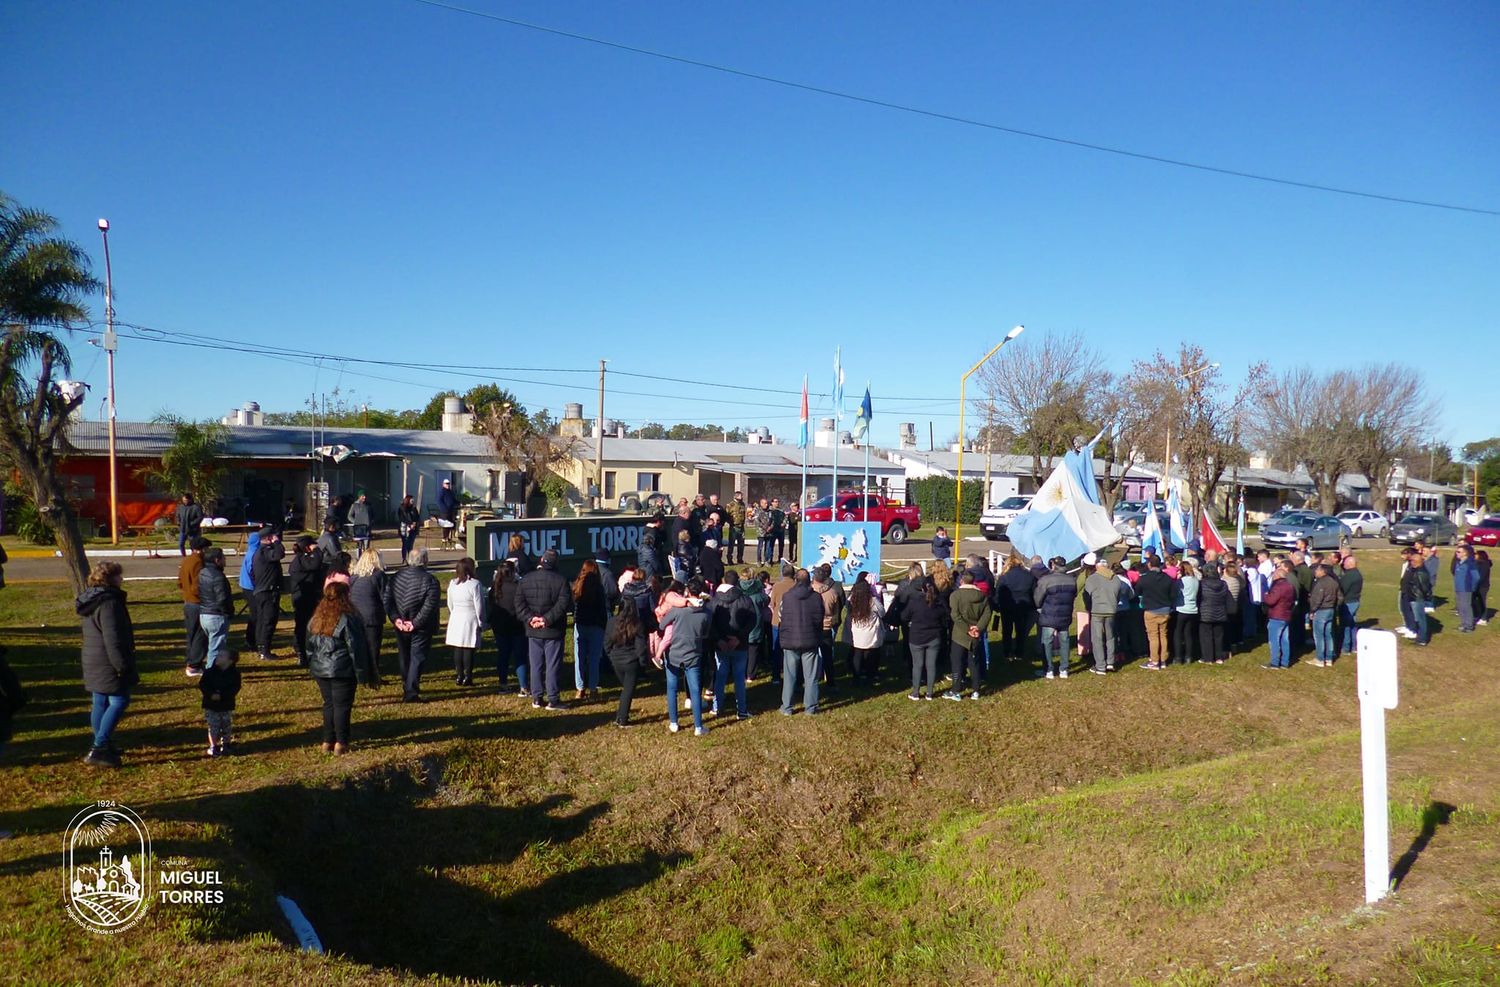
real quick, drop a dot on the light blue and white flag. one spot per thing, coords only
(838, 385)
(1178, 524)
(1239, 528)
(1063, 519)
(1151, 537)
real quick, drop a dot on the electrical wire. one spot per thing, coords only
(955, 118)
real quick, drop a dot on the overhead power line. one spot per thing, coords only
(955, 118)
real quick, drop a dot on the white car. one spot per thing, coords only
(1470, 516)
(1364, 523)
(996, 517)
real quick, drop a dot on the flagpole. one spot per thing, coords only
(866, 515)
(838, 419)
(802, 494)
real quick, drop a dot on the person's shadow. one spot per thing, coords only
(1436, 814)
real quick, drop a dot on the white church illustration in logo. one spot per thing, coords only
(107, 860)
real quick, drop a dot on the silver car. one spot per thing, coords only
(1365, 522)
(1320, 531)
(1434, 529)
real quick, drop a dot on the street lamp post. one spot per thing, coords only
(111, 343)
(1166, 466)
(963, 381)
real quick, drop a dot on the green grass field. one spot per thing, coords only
(1195, 826)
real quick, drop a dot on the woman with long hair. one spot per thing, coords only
(864, 630)
(1013, 594)
(1185, 633)
(626, 643)
(408, 523)
(590, 615)
(510, 633)
(339, 660)
(367, 592)
(465, 619)
(515, 554)
(109, 671)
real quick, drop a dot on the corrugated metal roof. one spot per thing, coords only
(1003, 464)
(283, 441)
(713, 455)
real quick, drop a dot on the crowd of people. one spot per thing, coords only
(690, 607)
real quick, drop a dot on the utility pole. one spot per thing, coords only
(989, 447)
(599, 441)
(111, 343)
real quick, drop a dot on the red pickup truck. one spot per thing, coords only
(897, 521)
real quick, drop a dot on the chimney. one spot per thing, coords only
(908, 435)
(572, 424)
(455, 417)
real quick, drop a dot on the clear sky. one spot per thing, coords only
(388, 180)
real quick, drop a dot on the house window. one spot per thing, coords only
(609, 485)
(648, 482)
(494, 489)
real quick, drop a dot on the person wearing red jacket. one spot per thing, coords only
(1280, 601)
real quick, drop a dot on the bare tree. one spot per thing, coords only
(1311, 419)
(1394, 411)
(1132, 413)
(521, 445)
(1043, 393)
(1206, 419)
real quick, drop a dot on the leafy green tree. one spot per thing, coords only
(191, 463)
(651, 430)
(43, 281)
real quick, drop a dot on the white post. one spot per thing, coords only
(1377, 693)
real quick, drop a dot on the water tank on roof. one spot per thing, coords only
(453, 406)
(572, 411)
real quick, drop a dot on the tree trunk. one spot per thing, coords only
(1328, 495)
(59, 515)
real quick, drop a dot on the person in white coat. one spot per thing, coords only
(465, 619)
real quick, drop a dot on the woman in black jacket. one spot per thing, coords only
(510, 635)
(925, 616)
(1213, 614)
(305, 575)
(626, 644)
(108, 657)
(1013, 598)
(367, 592)
(338, 658)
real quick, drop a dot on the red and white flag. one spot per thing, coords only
(1208, 535)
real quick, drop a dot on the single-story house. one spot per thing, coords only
(1267, 489)
(1009, 474)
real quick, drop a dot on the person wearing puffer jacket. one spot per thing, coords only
(339, 659)
(1054, 596)
(109, 671)
(215, 603)
(734, 617)
(690, 628)
(1323, 601)
(1213, 615)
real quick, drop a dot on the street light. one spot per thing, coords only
(962, 384)
(111, 343)
(1166, 466)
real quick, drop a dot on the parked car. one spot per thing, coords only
(1363, 522)
(1434, 529)
(1283, 512)
(1471, 515)
(1320, 530)
(645, 502)
(1133, 525)
(1124, 508)
(1486, 533)
(996, 517)
(896, 520)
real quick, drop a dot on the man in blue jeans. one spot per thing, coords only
(1280, 603)
(733, 615)
(801, 632)
(1352, 583)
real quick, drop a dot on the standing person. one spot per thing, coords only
(710, 563)
(757, 589)
(1352, 586)
(897, 616)
(778, 530)
(359, 523)
(1431, 563)
(515, 553)
(505, 624)
(339, 660)
(1302, 579)
(215, 604)
(971, 618)
(447, 506)
(942, 545)
(1482, 594)
(778, 593)
(1014, 591)
(1465, 585)
(1154, 589)
(187, 585)
(408, 524)
(328, 542)
(1280, 603)
(265, 574)
(465, 619)
(1213, 614)
(764, 530)
(1235, 582)
(626, 643)
(219, 684)
(924, 620)
(864, 631)
(247, 586)
(832, 595)
(801, 632)
(1255, 591)
(1102, 590)
(411, 601)
(1185, 634)
(367, 581)
(542, 603)
(305, 575)
(688, 629)
(109, 671)
(739, 512)
(733, 617)
(590, 615)
(189, 518)
(650, 557)
(1323, 601)
(793, 523)
(338, 570)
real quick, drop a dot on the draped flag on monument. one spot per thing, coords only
(1208, 535)
(802, 434)
(862, 420)
(1065, 517)
(1151, 537)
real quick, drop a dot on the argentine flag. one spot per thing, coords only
(1065, 517)
(1179, 532)
(1151, 534)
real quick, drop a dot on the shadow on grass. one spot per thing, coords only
(1436, 814)
(393, 874)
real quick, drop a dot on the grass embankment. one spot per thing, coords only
(1200, 825)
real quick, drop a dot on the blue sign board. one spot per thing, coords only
(847, 547)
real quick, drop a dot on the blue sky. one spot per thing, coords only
(389, 180)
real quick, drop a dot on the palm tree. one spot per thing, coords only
(43, 280)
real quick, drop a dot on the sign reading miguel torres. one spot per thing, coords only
(574, 539)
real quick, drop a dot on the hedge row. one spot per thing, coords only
(937, 496)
